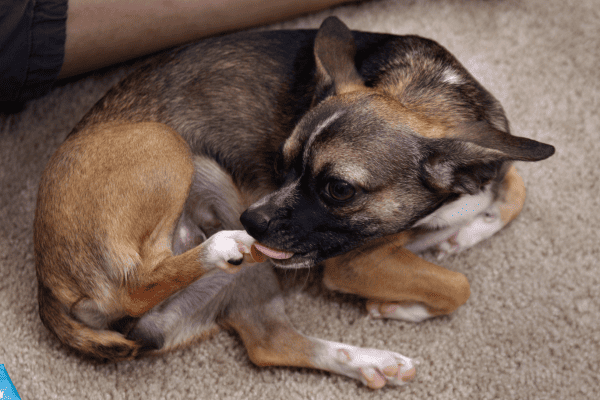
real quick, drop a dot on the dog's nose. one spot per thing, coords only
(255, 222)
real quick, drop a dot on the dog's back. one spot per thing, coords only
(253, 88)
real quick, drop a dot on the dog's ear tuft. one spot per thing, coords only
(456, 166)
(334, 51)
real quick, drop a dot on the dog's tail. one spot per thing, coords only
(104, 345)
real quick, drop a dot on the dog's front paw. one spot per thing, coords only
(375, 368)
(479, 229)
(226, 249)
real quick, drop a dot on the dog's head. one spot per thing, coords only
(356, 166)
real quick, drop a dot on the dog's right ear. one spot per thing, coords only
(334, 51)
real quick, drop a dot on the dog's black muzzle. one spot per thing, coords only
(256, 223)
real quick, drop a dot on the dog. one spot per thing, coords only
(349, 150)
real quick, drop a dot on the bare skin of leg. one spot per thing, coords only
(102, 33)
(401, 285)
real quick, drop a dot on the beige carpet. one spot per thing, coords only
(531, 327)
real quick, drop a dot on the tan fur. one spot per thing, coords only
(123, 186)
(273, 342)
(383, 270)
(512, 196)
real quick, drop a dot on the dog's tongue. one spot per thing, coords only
(271, 253)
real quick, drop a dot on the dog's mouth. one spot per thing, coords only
(286, 259)
(272, 253)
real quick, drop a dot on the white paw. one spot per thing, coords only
(479, 229)
(227, 248)
(415, 312)
(375, 368)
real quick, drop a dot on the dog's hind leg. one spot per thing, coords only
(212, 209)
(256, 311)
(398, 283)
(504, 209)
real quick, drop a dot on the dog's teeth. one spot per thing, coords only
(276, 254)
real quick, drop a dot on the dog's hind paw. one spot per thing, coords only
(414, 312)
(225, 249)
(375, 368)
(479, 229)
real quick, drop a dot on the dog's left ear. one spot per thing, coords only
(465, 166)
(334, 51)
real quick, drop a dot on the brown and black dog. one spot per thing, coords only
(347, 149)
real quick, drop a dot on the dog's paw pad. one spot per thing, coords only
(414, 312)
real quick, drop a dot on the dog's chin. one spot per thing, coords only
(297, 261)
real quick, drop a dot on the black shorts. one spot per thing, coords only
(32, 46)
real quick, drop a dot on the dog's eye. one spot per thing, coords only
(340, 190)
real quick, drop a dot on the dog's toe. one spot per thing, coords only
(395, 370)
(374, 378)
(395, 374)
(407, 374)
